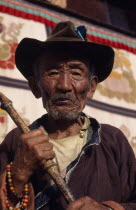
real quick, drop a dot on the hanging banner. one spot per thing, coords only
(12, 30)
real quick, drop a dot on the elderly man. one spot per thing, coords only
(95, 160)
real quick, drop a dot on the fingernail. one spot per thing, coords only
(42, 128)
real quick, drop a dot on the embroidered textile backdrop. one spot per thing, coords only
(115, 99)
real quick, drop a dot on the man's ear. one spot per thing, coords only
(34, 87)
(93, 85)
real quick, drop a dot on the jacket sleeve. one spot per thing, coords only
(126, 163)
(7, 151)
(127, 174)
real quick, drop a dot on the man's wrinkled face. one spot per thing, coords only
(63, 83)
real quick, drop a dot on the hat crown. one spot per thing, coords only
(64, 31)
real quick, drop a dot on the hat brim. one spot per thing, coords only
(101, 55)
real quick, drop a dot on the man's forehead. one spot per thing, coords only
(61, 56)
(51, 59)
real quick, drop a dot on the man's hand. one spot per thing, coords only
(34, 148)
(86, 203)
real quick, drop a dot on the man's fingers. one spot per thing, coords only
(42, 150)
(76, 205)
(33, 133)
(34, 137)
(41, 139)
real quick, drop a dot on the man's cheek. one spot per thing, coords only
(82, 93)
(46, 91)
(82, 87)
(49, 89)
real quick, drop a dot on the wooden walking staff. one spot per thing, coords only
(49, 165)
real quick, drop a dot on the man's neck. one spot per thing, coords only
(62, 128)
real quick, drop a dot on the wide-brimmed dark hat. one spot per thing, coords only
(65, 36)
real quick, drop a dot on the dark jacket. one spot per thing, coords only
(105, 170)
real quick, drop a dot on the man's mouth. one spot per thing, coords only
(62, 102)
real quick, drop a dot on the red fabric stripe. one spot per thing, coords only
(52, 24)
(28, 16)
(111, 43)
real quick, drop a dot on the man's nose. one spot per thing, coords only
(64, 83)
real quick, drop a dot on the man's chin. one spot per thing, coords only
(63, 115)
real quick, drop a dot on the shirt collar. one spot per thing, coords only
(93, 136)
